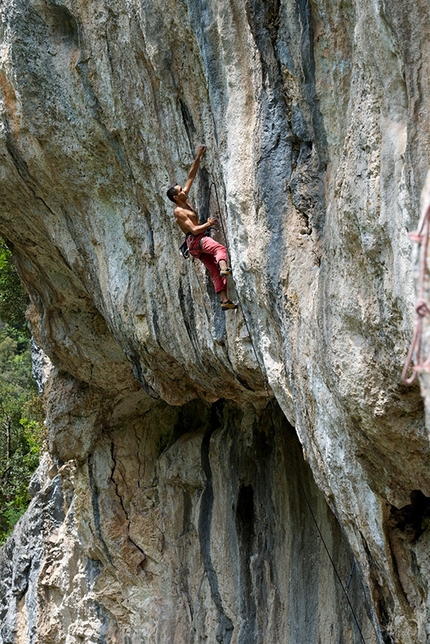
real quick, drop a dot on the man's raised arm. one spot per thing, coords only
(193, 170)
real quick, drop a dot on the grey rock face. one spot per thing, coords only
(41, 366)
(318, 139)
(194, 522)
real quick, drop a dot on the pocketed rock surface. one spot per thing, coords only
(203, 464)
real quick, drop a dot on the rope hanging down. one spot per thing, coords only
(221, 218)
(278, 428)
(421, 236)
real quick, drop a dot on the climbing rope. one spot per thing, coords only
(335, 570)
(421, 236)
(221, 218)
(278, 428)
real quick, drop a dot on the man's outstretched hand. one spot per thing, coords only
(193, 170)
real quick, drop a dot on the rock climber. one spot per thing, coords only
(212, 254)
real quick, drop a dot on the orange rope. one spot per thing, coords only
(421, 236)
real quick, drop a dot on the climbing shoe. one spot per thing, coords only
(227, 306)
(226, 272)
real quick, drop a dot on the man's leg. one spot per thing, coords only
(220, 283)
(216, 250)
(214, 257)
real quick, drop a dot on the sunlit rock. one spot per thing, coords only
(178, 514)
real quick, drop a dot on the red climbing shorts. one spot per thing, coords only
(209, 252)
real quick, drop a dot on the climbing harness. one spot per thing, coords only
(183, 250)
(421, 236)
(278, 428)
(194, 243)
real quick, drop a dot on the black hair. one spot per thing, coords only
(172, 192)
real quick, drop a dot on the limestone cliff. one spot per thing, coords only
(178, 504)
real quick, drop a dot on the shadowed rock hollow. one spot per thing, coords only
(177, 503)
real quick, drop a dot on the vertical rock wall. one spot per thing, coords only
(315, 118)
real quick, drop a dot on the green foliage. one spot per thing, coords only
(13, 299)
(21, 410)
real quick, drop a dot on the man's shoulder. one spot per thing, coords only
(179, 212)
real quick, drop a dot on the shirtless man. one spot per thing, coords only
(212, 254)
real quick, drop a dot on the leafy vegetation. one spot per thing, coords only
(21, 409)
